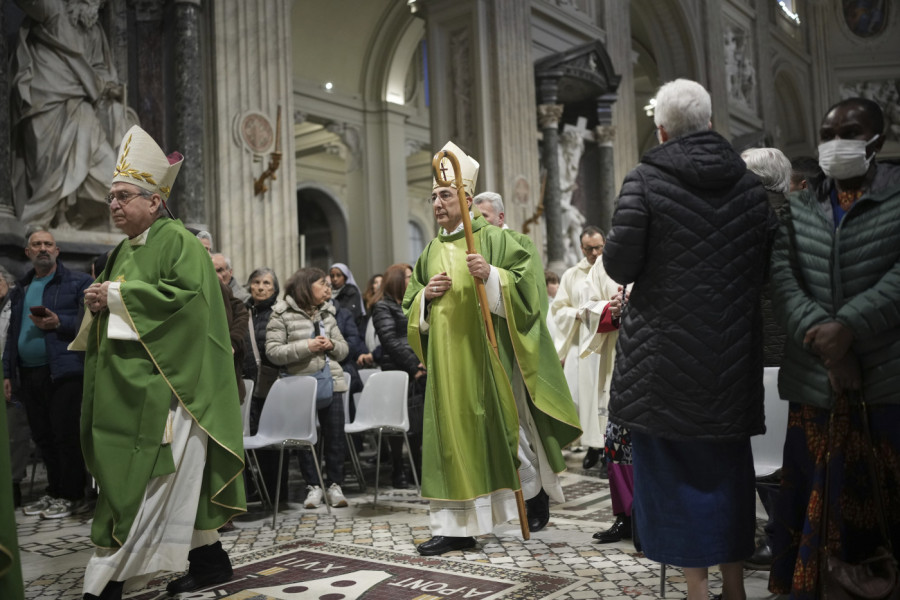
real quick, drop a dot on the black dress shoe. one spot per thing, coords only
(591, 458)
(207, 565)
(112, 591)
(195, 581)
(399, 481)
(604, 470)
(620, 530)
(761, 559)
(441, 544)
(538, 511)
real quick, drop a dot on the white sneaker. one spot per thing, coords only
(313, 496)
(36, 508)
(336, 496)
(60, 508)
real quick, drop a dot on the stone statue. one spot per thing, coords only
(66, 109)
(571, 147)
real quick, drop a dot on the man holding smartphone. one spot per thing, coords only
(46, 377)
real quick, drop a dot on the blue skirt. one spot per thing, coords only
(694, 501)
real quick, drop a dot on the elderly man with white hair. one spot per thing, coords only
(691, 230)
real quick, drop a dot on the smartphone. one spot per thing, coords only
(39, 311)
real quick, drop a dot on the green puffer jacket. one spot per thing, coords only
(850, 274)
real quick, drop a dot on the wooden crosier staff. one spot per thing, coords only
(479, 284)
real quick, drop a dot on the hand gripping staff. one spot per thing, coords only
(479, 284)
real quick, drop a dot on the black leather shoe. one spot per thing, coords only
(195, 581)
(112, 591)
(538, 511)
(399, 481)
(604, 470)
(620, 530)
(441, 544)
(591, 458)
(761, 559)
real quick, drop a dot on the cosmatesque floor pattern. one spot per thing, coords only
(371, 550)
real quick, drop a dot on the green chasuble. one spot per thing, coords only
(471, 425)
(11, 587)
(174, 303)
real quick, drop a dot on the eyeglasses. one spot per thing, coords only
(122, 198)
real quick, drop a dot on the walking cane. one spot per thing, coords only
(479, 284)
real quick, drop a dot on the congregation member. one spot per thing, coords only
(601, 313)
(226, 275)
(804, 169)
(367, 328)
(582, 373)
(345, 291)
(16, 420)
(774, 171)
(43, 375)
(471, 459)
(264, 290)
(835, 289)
(160, 424)
(397, 355)
(490, 205)
(303, 338)
(691, 229)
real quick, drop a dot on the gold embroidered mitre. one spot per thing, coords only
(467, 164)
(143, 163)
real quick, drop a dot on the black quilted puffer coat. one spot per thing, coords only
(692, 231)
(849, 274)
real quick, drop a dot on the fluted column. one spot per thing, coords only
(605, 136)
(188, 114)
(6, 200)
(548, 118)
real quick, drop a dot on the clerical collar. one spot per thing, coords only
(140, 239)
(458, 227)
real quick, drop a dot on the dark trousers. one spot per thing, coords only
(54, 415)
(331, 432)
(768, 490)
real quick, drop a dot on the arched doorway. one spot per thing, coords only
(322, 228)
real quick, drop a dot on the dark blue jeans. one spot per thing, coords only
(331, 432)
(54, 415)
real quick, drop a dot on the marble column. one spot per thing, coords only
(481, 75)
(605, 136)
(187, 134)
(251, 58)
(548, 117)
(147, 79)
(7, 210)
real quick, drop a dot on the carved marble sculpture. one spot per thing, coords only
(571, 147)
(66, 109)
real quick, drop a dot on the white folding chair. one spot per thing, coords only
(288, 419)
(383, 407)
(354, 457)
(364, 375)
(768, 449)
(245, 407)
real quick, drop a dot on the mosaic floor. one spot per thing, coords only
(560, 562)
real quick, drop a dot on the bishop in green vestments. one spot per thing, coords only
(161, 425)
(475, 398)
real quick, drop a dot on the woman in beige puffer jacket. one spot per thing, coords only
(301, 336)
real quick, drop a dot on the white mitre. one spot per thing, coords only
(142, 163)
(467, 164)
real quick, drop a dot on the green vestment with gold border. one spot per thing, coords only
(174, 303)
(11, 586)
(470, 436)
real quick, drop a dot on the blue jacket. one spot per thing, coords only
(64, 295)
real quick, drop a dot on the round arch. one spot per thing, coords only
(792, 117)
(673, 40)
(322, 227)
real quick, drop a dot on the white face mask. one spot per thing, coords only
(845, 159)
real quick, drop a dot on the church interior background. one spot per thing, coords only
(367, 91)
(344, 102)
